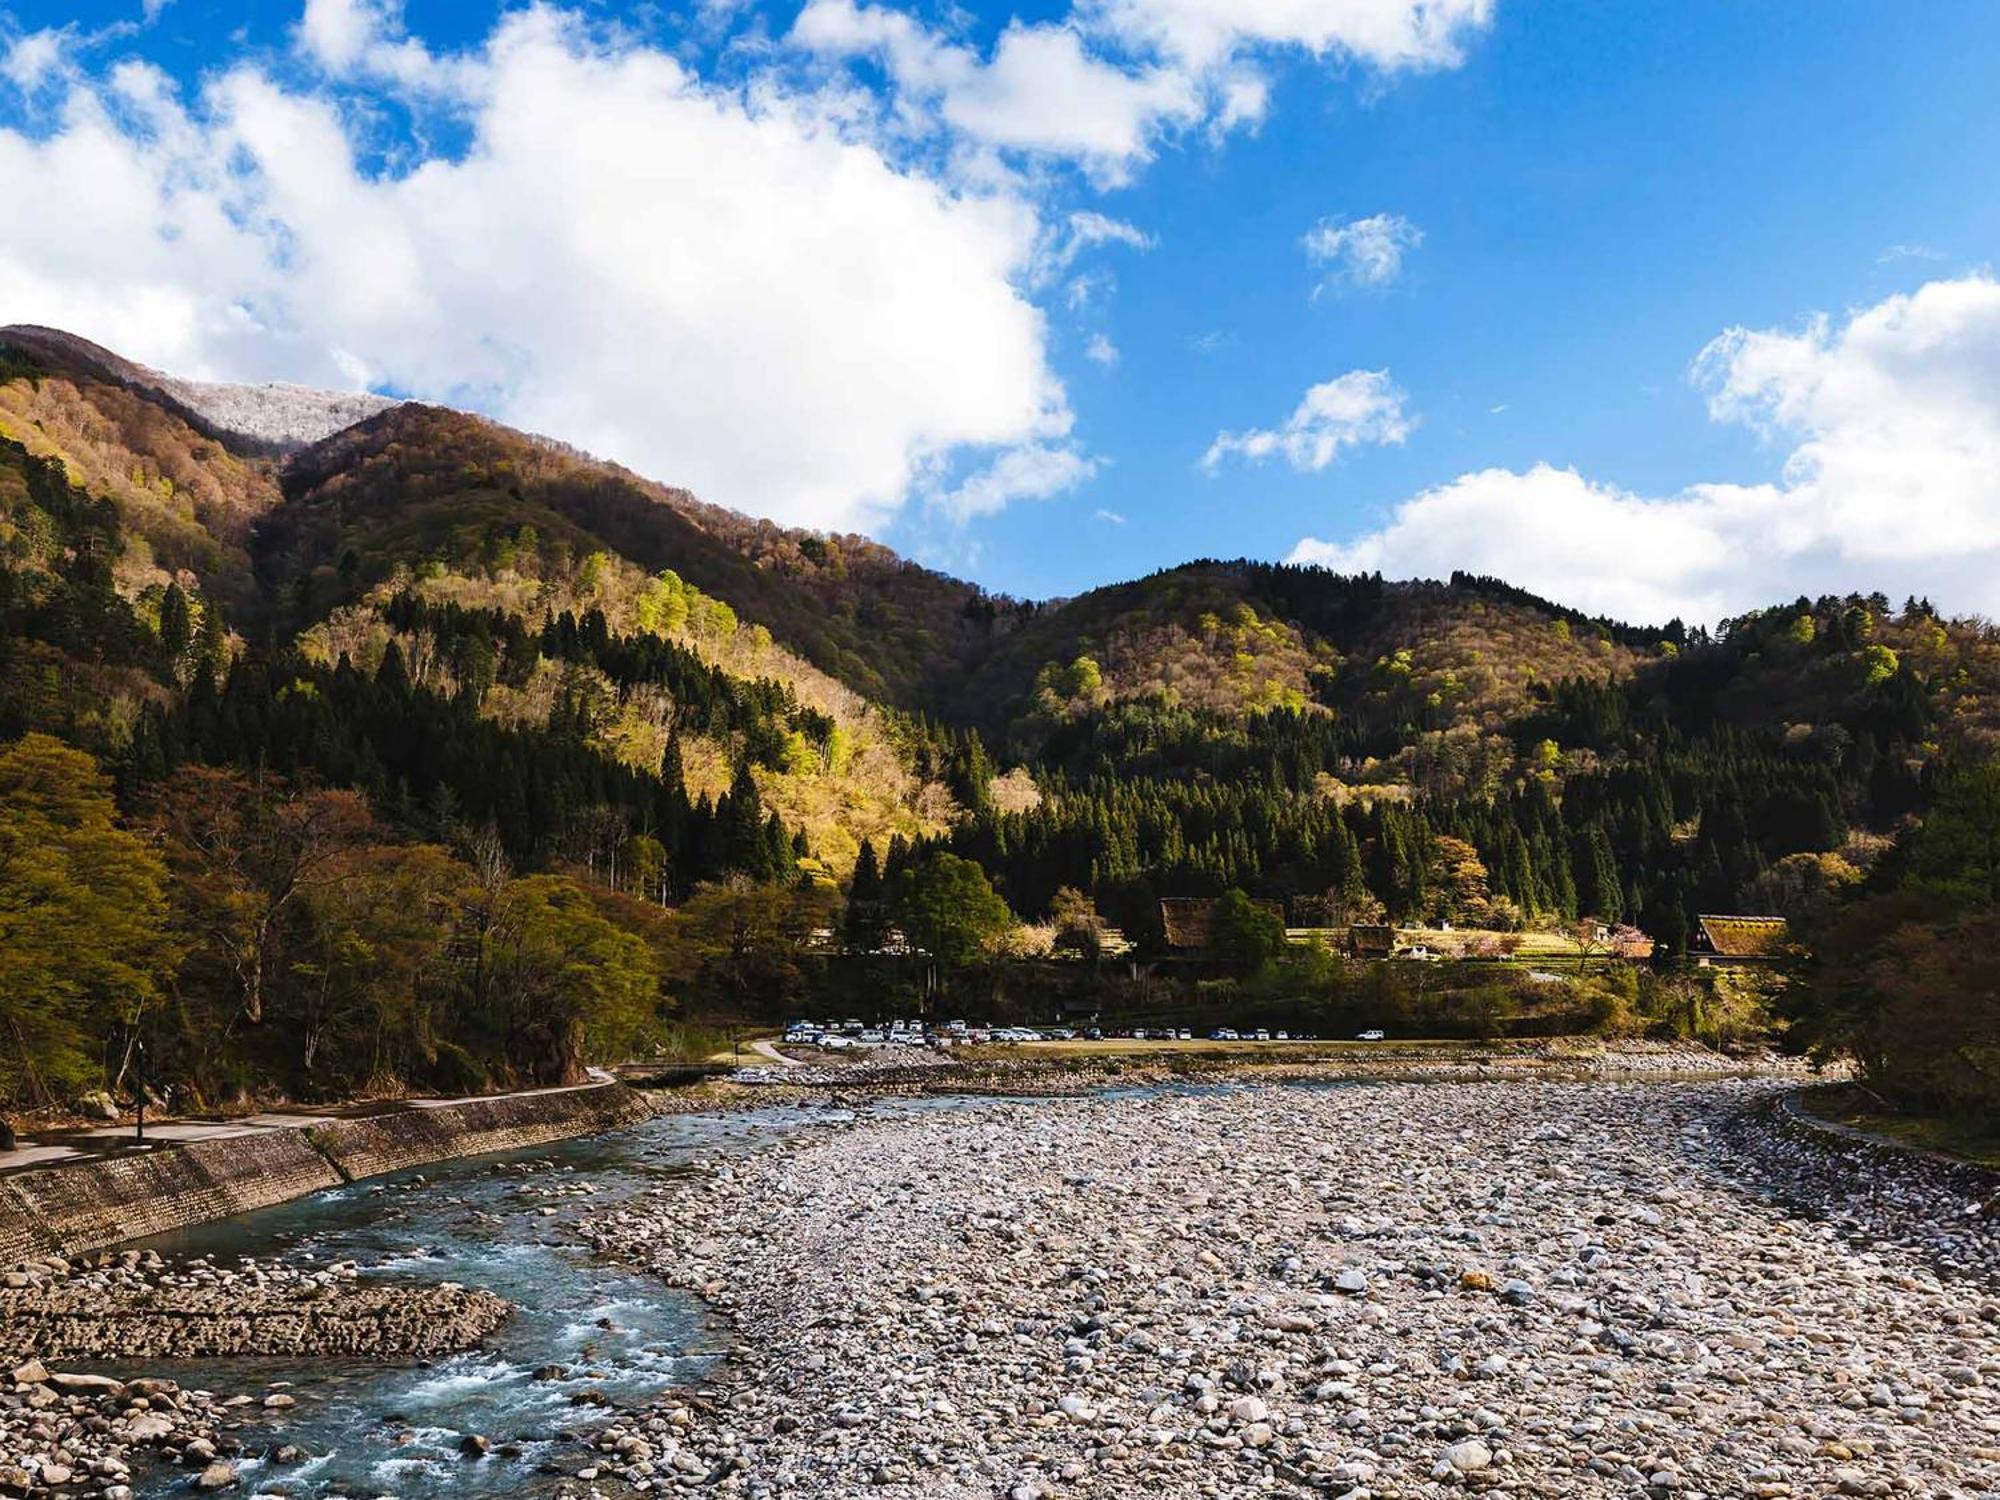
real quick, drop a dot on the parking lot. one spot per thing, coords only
(952, 1035)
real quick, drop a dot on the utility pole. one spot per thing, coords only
(139, 1088)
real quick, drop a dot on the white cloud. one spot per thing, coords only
(1042, 90)
(1105, 83)
(1908, 252)
(1892, 481)
(1366, 252)
(34, 58)
(1385, 34)
(1362, 406)
(713, 286)
(366, 39)
(1100, 350)
(1108, 517)
(1029, 472)
(1592, 546)
(1080, 232)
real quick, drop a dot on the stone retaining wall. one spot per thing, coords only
(78, 1207)
(87, 1205)
(376, 1144)
(21, 1236)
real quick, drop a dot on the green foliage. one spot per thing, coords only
(83, 941)
(1956, 859)
(562, 984)
(1244, 935)
(742, 951)
(948, 909)
(1907, 979)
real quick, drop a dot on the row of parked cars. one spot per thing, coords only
(838, 1035)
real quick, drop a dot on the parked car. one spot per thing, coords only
(1371, 1036)
(1223, 1034)
(1095, 1034)
(1284, 1036)
(1263, 1035)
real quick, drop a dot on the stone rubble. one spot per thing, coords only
(132, 1304)
(1537, 1288)
(70, 1434)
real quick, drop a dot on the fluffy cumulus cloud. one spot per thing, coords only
(1102, 84)
(1363, 252)
(1891, 422)
(719, 286)
(1362, 406)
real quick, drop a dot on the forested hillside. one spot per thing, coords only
(434, 754)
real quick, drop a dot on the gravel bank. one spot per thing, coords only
(1537, 1287)
(135, 1305)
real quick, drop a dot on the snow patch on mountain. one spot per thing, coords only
(277, 415)
(281, 414)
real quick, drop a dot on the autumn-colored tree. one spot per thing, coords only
(1458, 887)
(368, 965)
(1078, 927)
(83, 912)
(246, 852)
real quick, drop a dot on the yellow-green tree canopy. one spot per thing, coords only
(83, 912)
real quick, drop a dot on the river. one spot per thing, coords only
(372, 1430)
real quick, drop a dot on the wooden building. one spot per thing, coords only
(1725, 940)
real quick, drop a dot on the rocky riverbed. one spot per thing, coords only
(70, 1433)
(135, 1305)
(65, 1431)
(1536, 1287)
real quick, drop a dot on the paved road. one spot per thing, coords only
(764, 1049)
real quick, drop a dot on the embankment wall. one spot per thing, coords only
(77, 1207)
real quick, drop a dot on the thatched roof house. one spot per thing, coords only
(1371, 940)
(1741, 940)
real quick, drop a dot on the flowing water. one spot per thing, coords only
(371, 1430)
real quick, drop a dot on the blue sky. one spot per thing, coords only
(1585, 197)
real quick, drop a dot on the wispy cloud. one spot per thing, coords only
(1363, 253)
(1362, 406)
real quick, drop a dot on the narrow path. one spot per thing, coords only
(764, 1049)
